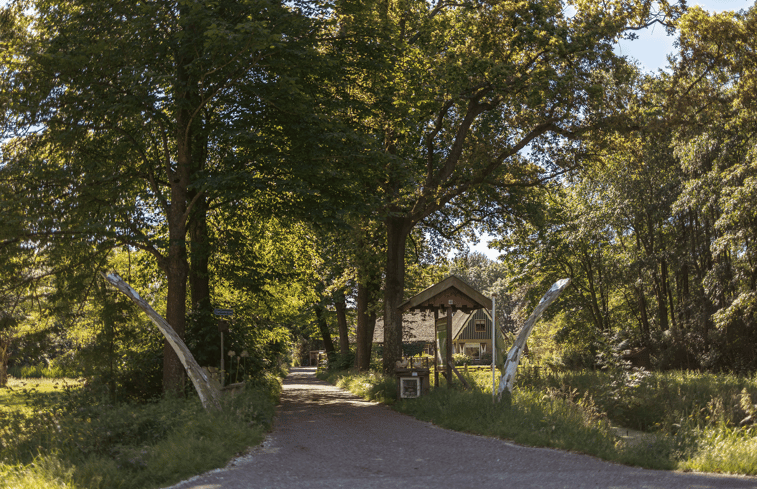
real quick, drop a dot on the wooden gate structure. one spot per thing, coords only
(449, 295)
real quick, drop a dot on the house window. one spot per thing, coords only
(480, 326)
(473, 350)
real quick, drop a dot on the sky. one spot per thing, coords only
(654, 45)
(650, 50)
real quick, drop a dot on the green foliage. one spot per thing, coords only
(40, 371)
(341, 361)
(659, 401)
(724, 450)
(86, 443)
(461, 359)
(27, 394)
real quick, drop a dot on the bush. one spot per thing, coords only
(341, 361)
(462, 359)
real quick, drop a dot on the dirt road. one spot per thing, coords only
(326, 437)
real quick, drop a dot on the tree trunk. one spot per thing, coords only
(204, 323)
(341, 320)
(397, 229)
(4, 344)
(177, 266)
(366, 324)
(323, 327)
(199, 276)
(643, 312)
(177, 270)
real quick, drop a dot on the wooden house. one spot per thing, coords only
(471, 332)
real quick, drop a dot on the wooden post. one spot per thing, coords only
(436, 349)
(449, 345)
(209, 395)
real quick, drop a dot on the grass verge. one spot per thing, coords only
(694, 428)
(80, 443)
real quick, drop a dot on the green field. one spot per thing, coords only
(22, 395)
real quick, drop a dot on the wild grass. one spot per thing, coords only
(372, 386)
(40, 371)
(692, 419)
(80, 442)
(724, 450)
(659, 401)
(23, 394)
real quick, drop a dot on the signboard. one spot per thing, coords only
(223, 312)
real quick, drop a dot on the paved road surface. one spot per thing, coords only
(326, 437)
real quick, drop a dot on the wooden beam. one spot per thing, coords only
(459, 376)
(449, 345)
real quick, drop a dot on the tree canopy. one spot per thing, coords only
(303, 160)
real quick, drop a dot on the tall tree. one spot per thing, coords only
(713, 89)
(116, 108)
(462, 90)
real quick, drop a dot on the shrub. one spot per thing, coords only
(461, 359)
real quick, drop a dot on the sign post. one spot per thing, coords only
(223, 326)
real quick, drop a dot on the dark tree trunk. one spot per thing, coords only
(397, 229)
(177, 270)
(366, 324)
(199, 276)
(323, 327)
(204, 327)
(177, 266)
(341, 320)
(4, 347)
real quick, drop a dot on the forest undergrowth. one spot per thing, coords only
(71, 438)
(692, 421)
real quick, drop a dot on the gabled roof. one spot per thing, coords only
(460, 321)
(450, 291)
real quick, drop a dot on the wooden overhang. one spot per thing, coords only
(450, 292)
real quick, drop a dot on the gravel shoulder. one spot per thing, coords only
(326, 437)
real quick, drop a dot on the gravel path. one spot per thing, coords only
(327, 437)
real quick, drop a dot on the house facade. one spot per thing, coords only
(471, 333)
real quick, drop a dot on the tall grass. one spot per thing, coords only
(41, 371)
(372, 386)
(659, 401)
(692, 418)
(82, 443)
